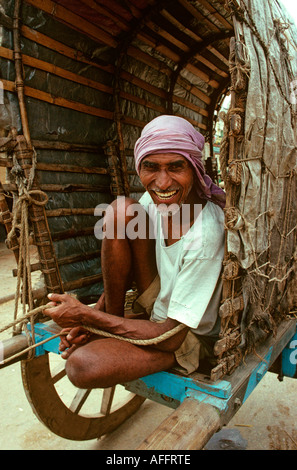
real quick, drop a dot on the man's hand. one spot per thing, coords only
(72, 338)
(65, 310)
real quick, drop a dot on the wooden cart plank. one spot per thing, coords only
(188, 428)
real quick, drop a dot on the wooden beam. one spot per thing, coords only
(217, 53)
(74, 105)
(189, 105)
(169, 37)
(64, 188)
(120, 22)
(82, 282)
(144, 85)
(66, 212)
(215, 13)
(193, 89)
(71, 168)
(180, 26)
(203, 76)
(168, 53)
(194, 36)
(74, 54)
(7, 143)
(61, 262)
(58, 167)
(190, 427)
(61, 48)
(161, 48)
(13, 346)
(141, 56)
(74, 21)
(65, 74)
(59, 101)
(173, 40)
(73, 233)
(143, 102)
(210, 65)
(201, 18)
(66, 146)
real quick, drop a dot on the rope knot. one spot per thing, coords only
(30, 197)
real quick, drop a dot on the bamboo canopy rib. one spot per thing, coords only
(78, 88)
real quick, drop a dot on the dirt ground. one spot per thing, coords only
(267, 421)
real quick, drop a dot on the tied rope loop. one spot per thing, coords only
(28, 196)
(20, 209)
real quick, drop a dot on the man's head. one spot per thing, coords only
(175, 136)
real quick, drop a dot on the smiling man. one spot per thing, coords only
(177, 271)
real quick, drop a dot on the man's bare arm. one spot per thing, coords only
(67, 312)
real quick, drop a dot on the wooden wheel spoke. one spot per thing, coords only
(58, 373)
(45, 396)
(107, 398)
(79, 400)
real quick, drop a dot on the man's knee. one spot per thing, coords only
(84, 370)
(76, 370)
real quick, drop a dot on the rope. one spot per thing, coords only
(144, 342)
(138, 342)
(20, 221)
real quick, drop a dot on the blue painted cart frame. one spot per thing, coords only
(278, 354)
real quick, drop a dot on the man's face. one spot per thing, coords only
(168, 177)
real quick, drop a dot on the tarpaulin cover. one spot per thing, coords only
(52, 123)
(262, 235)
(270, 130)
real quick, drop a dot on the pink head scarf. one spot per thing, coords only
(172, 134)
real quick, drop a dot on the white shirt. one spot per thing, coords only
(190, 270)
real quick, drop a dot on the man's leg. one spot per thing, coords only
(106, 362)
(124, 260)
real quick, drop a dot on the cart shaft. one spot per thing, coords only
(12, 346)
(46, 340)
(189, 428)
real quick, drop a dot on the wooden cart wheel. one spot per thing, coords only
(68, 411)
